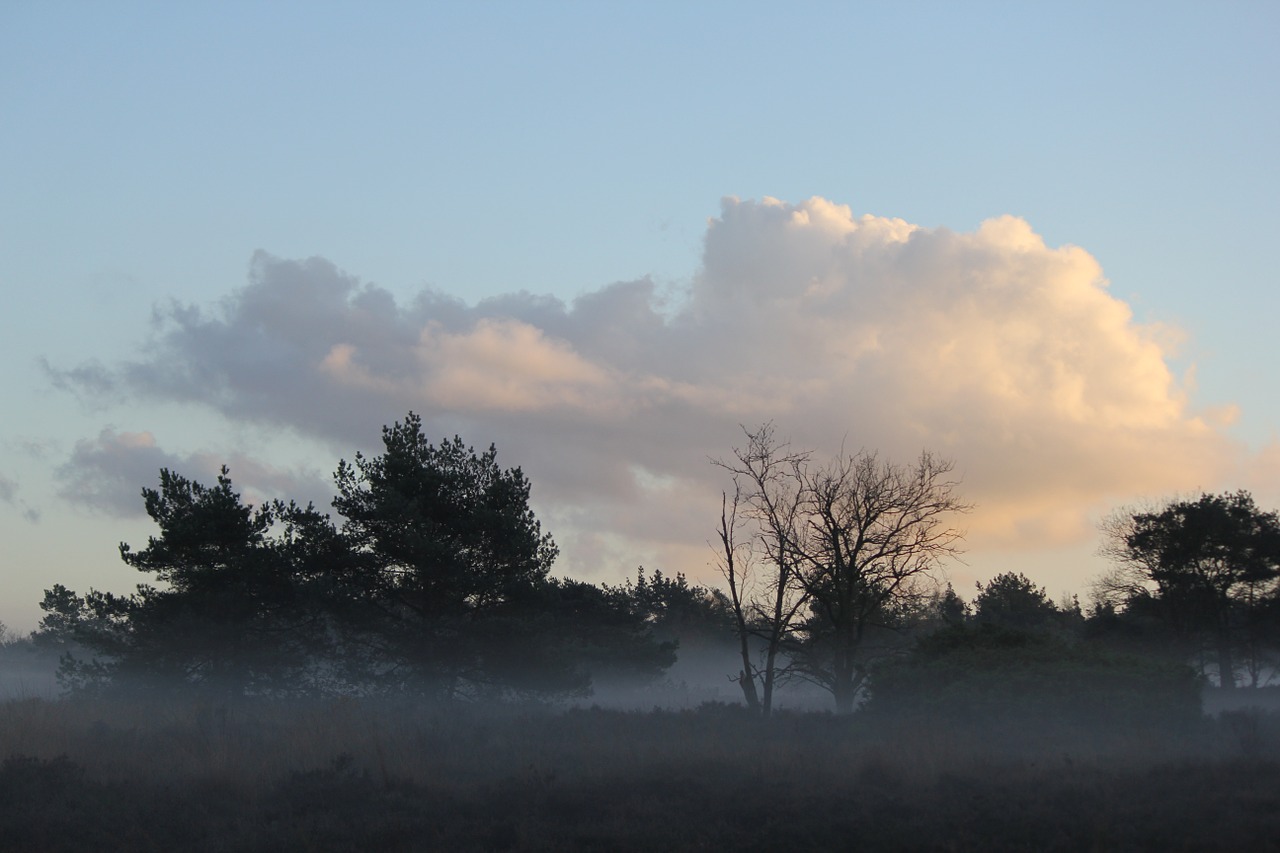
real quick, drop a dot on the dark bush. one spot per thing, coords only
(1019, 683)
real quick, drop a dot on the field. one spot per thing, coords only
(353, 775)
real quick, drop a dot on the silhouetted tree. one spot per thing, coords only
(603, 633)
(766, 591)
(735, 566)
(234, 614)
(856, 542)
(676, 610)
(1012, 600)
(437, 583)
(874, 534)
(1207, 567)
(448, 550)
(951, 608)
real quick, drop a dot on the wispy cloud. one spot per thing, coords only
(106, 474)
(990, 347)
(9, 495)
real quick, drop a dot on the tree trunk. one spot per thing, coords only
(845, 692)
(748, 684)
(843, 687)
(770, 675)
(746, 677)
(1226, 665)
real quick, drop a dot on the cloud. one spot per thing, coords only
(499, 365)
(990, 347)
(9, 495)
(90, 380)
(107, 474)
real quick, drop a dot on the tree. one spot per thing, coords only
(735, 571)
(950, 608)
(233, 615)
(1011, 600)
(677, 611)
(766, 593)
(1208, 566)
(449, 553)
(875, 534)
(610, 634)
(857, 542)
(1014, 688)
(436, 583)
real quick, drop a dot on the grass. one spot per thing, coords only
(356, 775)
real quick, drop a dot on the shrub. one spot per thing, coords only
(1017, 684)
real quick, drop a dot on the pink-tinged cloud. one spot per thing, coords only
(1007, 355)
(499, 365)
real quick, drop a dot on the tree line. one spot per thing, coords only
(435, 581)
(833, 572)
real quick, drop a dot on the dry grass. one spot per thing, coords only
(349, 774)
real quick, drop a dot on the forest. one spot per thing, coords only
(408, 672)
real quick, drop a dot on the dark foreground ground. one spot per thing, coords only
(348, 775)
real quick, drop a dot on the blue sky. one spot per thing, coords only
(477, 151)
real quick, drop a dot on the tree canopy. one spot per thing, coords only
(1208, 570)
(1012, 600)
(447, 550)
(436, 583)
(236, 611)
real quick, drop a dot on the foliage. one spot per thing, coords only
(436, 583)
(448, 550)
(1011, 600)
(688, 614)
(603, 632)
(236, 612)
(1023, 684)
(445, 530)
(950, 608)
(1209, 570)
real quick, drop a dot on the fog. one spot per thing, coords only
(676, 762)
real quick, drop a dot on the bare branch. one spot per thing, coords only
(852, 542)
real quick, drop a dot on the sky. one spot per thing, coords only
(1035, 239)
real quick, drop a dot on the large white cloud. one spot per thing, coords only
(1009, 356)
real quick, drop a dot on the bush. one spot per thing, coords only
(1009, 682)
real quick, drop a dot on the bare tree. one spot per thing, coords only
(876, 534)
(857, 541)
(766, 490)
(735, 565)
